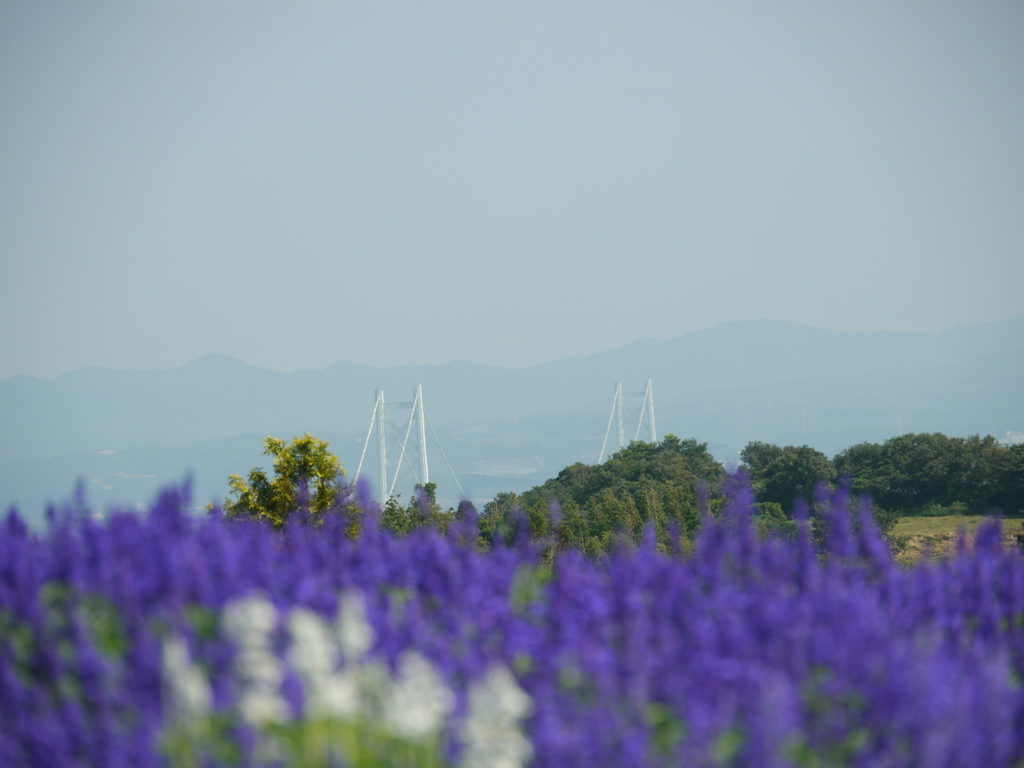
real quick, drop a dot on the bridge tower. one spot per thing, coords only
(388, 471)
(646, 415)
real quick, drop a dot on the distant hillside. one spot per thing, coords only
(765, 380)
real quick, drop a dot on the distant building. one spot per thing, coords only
(1012, 438)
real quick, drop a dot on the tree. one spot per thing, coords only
(1004, 471)
(422, 511)
(758, 455)
(307, 475)
(869, 470)
(924, 469)
(933, 473)
(781, 475)
(643, 484)
(770, 518)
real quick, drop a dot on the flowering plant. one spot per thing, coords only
(172, 640)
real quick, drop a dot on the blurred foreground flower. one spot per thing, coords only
(493, 730)
(354, 710)
(171, 640)
(259, 672)
(186, 686)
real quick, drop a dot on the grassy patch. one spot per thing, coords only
(936, 536)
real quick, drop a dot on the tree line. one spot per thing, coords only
(666, 488)
(908, 475)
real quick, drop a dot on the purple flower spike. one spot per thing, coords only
(835, 510)
(741, 651)
(871, 546)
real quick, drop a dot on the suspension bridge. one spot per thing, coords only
(402, 443)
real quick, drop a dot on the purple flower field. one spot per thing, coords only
(174, 640)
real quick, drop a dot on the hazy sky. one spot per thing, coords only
(298, 183)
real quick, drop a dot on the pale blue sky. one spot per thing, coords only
(298, 183)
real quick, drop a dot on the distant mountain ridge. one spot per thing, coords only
(768, 380)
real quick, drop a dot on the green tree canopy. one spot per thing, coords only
(654, 483)
(931, 473)
(757, 456)
(422, 511)
(781, 475)
(304, 467)
(1002, 479)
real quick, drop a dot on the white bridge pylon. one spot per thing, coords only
(383, 424)
(619, 407)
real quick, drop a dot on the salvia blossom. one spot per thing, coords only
(492, 732)
(187, 687)
(413, 703)
(249, 622)
(354, 630)
(168, 639)
(314, 655)
(419, 702)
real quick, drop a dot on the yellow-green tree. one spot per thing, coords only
(302, 467)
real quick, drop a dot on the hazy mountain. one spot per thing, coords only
(130, 431)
